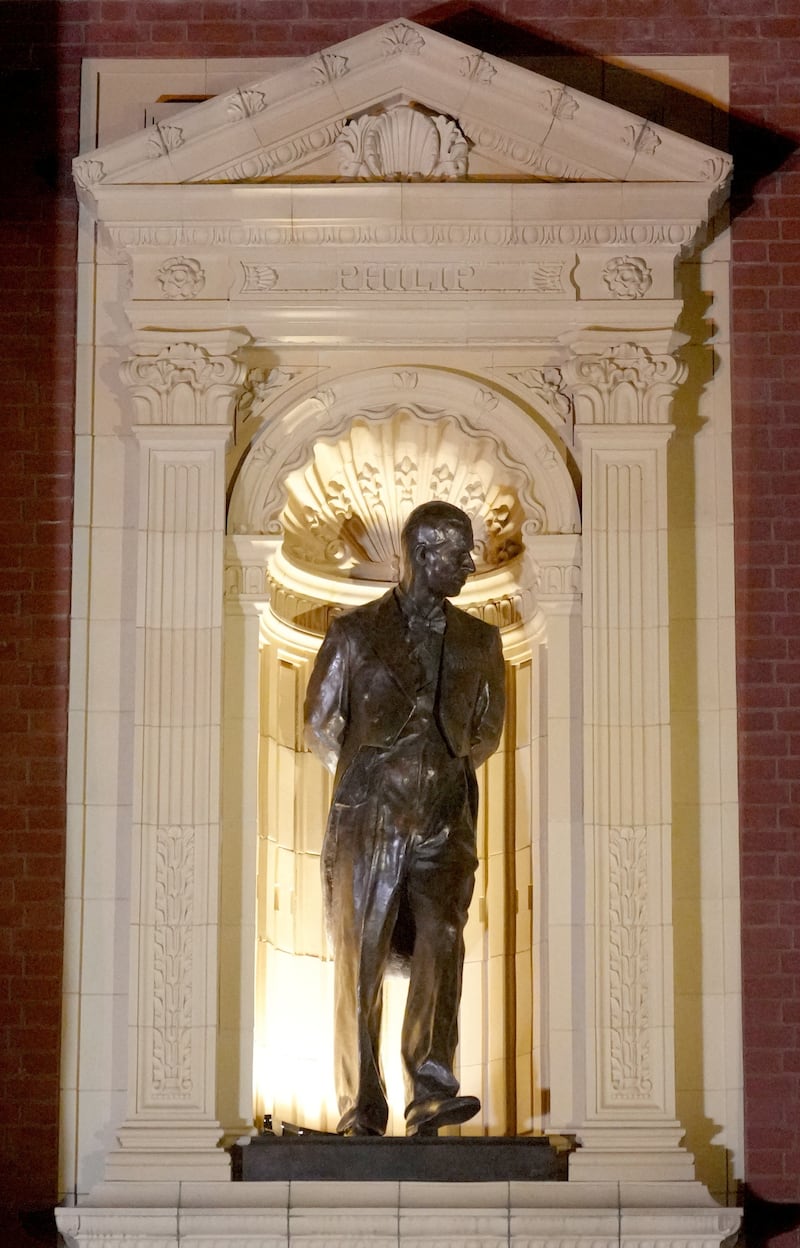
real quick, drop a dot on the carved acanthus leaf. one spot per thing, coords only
(88, 172)
(631, 363)
(625, 384)
(546, 384)
(172, 969)
(261, 387)
(629, 964)
(183, 384)
(181, 362)
(715, 168)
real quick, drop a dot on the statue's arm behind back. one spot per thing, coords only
(327, 698)
(491, 708)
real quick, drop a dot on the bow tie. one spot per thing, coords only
(421, 626)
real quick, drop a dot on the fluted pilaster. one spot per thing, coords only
(622, 395)
(183, 395)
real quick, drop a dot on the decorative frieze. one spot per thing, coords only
(525, 155)
(281, 157)
(673, 235)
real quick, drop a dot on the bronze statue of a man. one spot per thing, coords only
(405, 700)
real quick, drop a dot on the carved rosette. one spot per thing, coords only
(623, 385)
(181, 277)
(627, 277)
(402, 144)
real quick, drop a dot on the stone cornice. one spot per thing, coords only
(519, 123)
(532, 212)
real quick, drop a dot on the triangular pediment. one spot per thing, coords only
(402, 102)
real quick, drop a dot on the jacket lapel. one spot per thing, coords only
(385, 636)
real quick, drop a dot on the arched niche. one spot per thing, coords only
(319, 493)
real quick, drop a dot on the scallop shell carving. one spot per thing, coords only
(345, 509)
(401, 144)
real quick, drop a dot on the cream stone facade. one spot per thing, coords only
(399, 269)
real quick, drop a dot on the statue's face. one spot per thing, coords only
(445, 567)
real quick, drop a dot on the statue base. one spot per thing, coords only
(434, 1159)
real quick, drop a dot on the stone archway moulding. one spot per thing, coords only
(274, 233)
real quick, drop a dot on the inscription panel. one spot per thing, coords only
(544, 277)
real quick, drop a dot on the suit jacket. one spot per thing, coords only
(363, 685)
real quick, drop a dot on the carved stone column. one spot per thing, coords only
(622, 395)
(556, 560)
(183, 394)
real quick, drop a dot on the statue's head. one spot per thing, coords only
(436, 544)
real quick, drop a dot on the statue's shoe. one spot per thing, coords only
(425, 1117)
(362, 1129)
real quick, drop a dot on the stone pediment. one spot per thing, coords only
(402, 103)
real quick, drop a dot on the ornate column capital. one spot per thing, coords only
(622, 383)
(191, 381)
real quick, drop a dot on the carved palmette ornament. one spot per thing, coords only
(402, 144)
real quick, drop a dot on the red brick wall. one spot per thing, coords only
(42, 46)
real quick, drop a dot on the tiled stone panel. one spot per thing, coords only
(42, 46)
